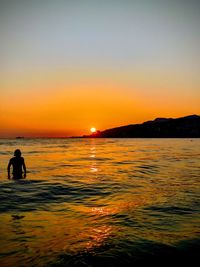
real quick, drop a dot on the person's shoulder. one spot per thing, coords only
(12, 160)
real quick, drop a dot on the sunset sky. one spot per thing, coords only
(69, 65)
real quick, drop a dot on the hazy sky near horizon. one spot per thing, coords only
(67, 66)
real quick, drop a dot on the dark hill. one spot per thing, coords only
(188, 127)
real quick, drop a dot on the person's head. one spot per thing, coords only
(17, 153)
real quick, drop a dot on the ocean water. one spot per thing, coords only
(101, 202)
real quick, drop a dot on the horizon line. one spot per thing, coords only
(83, 135)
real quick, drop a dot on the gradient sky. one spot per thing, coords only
(68, 65)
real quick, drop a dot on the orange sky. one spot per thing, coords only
(52, 105)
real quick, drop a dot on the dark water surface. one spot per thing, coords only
(101, 202)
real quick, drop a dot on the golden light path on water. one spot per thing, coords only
(98, 197)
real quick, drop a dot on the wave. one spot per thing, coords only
(140, 253)
(173, 210)
(27, 195)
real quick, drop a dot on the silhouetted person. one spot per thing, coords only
(18, 164)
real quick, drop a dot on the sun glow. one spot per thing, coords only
(93, 130)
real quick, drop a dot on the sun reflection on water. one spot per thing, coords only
(92, 156)
(99, 236)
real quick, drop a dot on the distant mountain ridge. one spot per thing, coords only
(184, 127)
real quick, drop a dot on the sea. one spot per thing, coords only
(101, 202)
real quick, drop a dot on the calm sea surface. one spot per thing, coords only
(100, 202)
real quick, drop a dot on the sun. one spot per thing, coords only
(93, 130)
